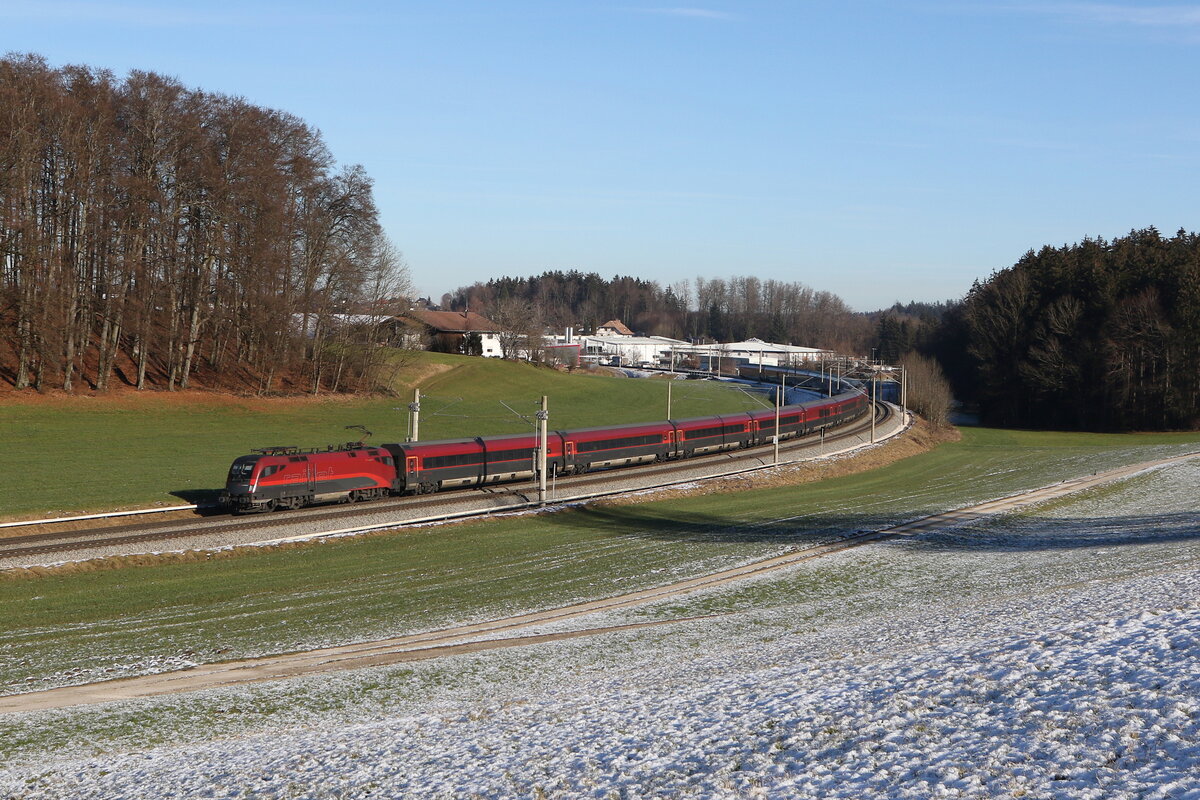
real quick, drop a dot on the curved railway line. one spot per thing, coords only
(490, 635)
(447, 505)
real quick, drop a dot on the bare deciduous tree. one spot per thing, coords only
(148, 230)
(928, 390)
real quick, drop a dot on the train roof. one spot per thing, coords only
(467, 445)
(713, 419)
(621, 430)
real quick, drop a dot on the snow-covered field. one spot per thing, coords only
(1054, 654)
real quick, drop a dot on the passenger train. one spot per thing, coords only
(288, 477)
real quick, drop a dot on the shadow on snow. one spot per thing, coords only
(1003, 533)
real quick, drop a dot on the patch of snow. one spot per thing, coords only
(1048, 654)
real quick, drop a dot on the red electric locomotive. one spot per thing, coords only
(288, 477)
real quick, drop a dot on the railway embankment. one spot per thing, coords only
(72, 551)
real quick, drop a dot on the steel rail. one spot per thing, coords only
(66, 541)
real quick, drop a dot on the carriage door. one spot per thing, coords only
(310, 476)
(411, 466)
(569, 454)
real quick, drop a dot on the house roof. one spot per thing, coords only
(454, 321)
(617, 326)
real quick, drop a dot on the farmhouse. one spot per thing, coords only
(459, 332)
(614, 327)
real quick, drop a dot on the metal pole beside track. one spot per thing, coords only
(414, 413)
(542, 415)
(874, 383)
(778, 399)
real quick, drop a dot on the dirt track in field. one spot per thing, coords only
(492, 635)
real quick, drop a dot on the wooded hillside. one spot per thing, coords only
(718, 309)
(150, 233)
(1097, 335)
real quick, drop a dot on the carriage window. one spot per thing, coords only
(461, 460)
(624, 441)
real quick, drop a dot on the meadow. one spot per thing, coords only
(78, 454)
(69, 628)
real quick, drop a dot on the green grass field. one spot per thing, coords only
(67, 455)
(105, 624)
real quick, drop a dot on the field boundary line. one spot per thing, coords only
(107, 515)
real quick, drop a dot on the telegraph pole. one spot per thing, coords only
(778, 400)
(874, 383)
(669, 382)
(542, 415)
(903, 394)
(414, 415)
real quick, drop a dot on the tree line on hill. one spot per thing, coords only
(719, 309)
(151, 232)
(1098, 335)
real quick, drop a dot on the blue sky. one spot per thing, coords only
(882, 151)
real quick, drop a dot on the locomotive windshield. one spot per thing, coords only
(241, 469)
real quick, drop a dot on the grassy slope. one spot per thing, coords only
(94, 453)
(424, 578)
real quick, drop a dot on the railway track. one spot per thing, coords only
(495, 634)
(446, 505)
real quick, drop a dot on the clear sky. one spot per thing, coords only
(883, 151)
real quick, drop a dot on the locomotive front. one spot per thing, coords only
(239, 483)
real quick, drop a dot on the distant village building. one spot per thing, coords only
(614, 327)
(613, 344)
(459, 332)
(753, 352)
(610, 346)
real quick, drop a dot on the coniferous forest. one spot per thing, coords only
(150, 233)
(1099, 335)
